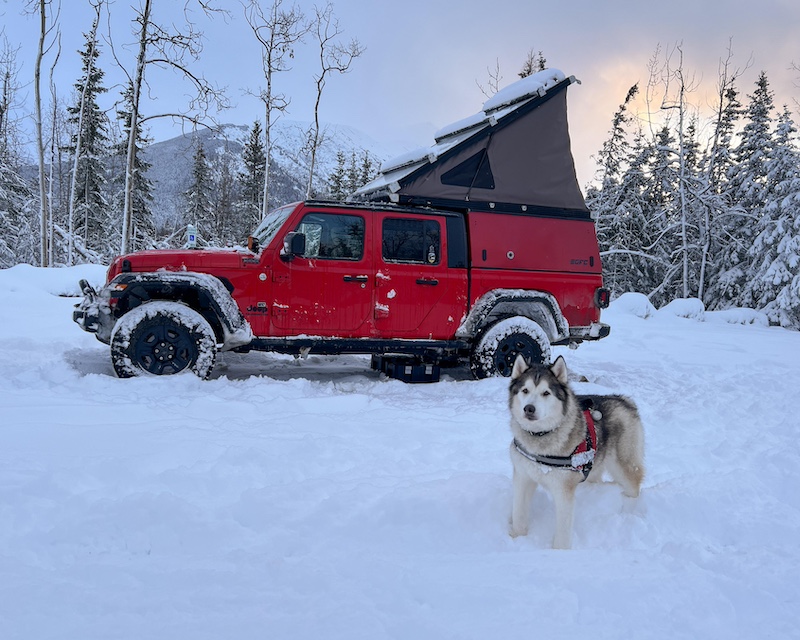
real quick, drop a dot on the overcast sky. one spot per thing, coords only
(424, 58)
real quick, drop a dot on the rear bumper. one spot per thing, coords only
(594, 331)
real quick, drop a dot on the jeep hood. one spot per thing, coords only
(178, 260)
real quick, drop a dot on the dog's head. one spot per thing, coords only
(538, 394)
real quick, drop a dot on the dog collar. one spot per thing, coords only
(581, 458)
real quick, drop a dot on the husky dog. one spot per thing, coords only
(562, 439)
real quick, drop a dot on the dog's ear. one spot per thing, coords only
(559, 369)
(520, 367)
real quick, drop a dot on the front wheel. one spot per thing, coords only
(497, 349)
(161, 338)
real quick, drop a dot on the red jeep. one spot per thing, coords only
(477, 249)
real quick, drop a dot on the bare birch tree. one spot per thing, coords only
(164, 48)
(47, 22)
(278, 31)
(334, 57)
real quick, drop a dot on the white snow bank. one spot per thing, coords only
(58, 281)
(635, 304)
(691, 308)
(738, 316)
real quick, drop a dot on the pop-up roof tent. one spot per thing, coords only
(513, 156)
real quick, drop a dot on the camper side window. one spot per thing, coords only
(408, 240)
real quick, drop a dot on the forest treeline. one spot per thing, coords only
(702, 207)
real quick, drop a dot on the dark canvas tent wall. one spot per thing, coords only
(514, 155)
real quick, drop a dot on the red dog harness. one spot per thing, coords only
(580, 459)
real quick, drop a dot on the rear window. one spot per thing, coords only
(408, 240)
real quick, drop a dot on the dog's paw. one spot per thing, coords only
(518, 532)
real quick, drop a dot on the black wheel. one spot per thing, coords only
(162, 338)
(497, 349)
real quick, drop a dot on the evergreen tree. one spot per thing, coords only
(367, 169)
(338, 179)
(89, 146)
(773, 283)
(252, 178)
(746, 189)
(353, 176)
(199, 210)
(224, 196)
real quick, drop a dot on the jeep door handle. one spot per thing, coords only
(432, 282)
(356, 278)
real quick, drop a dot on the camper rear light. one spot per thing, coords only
(602, 298)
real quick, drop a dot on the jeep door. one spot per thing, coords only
(326, 291)
(417, 293)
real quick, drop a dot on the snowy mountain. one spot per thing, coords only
(299, 499)
(171, 160)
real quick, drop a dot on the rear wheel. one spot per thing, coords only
(162, 338)
(497, 349)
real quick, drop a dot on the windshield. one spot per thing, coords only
(272, 223)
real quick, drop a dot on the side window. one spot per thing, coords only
(407, 240)
(333, 236)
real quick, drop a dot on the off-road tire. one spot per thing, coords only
(500, 344)
(162, 338)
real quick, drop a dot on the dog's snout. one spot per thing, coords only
(530, 411)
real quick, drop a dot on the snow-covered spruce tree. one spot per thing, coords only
(90, 214)
(228, 229)
(746, 188)
(773, 281)
(337, 181)
(368, 169)
(199, 210)
(715, 206)
(142, 232)
(251, 180)
(630, 234)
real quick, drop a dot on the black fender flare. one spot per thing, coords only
(202, 292)
(539, 306)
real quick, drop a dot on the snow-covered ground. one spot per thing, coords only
(291, 499)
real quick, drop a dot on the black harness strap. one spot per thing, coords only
(580, 459)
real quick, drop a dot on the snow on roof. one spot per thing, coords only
(536, 84)
(503, 103)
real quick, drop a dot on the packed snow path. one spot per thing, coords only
(289, 499)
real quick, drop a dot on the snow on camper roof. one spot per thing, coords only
(536, 84)
(532, 165)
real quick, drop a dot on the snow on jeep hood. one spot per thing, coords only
(179, 260)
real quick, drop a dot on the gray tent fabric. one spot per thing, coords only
(517, 158)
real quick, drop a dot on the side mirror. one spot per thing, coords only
(252, 244)
(294, 244)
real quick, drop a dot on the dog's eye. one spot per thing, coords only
(525, 391)
(545, 393)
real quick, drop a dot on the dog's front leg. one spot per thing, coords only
(523, 494)
(564, 498)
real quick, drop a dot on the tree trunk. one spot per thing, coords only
(43, 208)
(130, 164)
